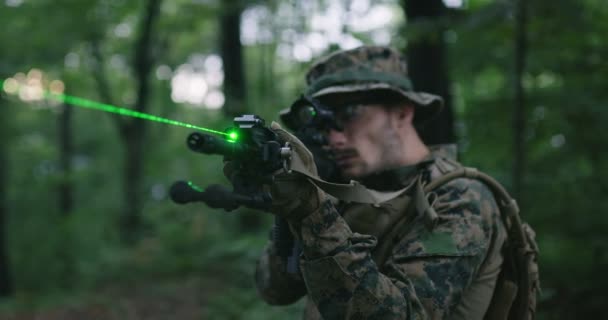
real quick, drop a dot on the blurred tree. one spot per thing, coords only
(65, 191)
(132, 130)
(519, 124)
(44, 50)
(427, 63)
(66, 188)
(6, 288)
(231, 51)
(565, 116)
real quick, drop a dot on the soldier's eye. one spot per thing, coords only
(350, 112)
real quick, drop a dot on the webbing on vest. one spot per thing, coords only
(516, 238)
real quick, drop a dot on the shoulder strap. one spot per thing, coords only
(508, 206)
(509, 210)
(351, 192)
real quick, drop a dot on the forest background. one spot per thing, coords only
(86, 227)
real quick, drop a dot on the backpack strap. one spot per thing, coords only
(508, 206)
(518, 243)
(351, 192)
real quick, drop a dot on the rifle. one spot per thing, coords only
(256, 153)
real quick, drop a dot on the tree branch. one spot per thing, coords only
(103, 84)
(143, 58)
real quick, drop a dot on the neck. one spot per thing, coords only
(415, 149)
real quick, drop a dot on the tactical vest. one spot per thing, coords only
(518, 284)
(515, 292)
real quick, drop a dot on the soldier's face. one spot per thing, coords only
(369, 141)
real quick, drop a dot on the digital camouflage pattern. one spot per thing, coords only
(447, 271)
(369, 68)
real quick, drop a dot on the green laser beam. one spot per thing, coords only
(80, 102)
(90, 104)
(195, 187)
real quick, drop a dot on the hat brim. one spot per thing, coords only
(427, 105)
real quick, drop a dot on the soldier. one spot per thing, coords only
(419, 255)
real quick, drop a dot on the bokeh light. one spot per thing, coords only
(34, 74)
(215, 100)
(454, 3)
(163, 72)
(188, 85)
(13, 3)
(31, 88)
(198, 82)
(301, 40)
(56, 87)
(10, 86)
(72, 60)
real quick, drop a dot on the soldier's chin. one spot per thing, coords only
(352, 172)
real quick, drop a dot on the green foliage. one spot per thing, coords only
(75, 258)
(564, 195)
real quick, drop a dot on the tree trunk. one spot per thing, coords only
(132, 184)
(231, 51)
(6, 288)
(519, 125)
(65, 190)
(234, 84)
(66, 202)
(428, 66)
(133, 132)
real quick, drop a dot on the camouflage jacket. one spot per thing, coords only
(447, 271)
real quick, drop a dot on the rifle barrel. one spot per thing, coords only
(209, 144)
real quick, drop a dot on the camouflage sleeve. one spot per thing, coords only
(274, 284)
(422, 279)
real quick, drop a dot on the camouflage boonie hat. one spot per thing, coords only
(368, 68)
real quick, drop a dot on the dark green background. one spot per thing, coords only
(191, 262)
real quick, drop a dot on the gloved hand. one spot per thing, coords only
(294, 196)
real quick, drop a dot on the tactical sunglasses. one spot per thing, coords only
(308, 112)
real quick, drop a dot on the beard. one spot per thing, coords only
(388, 153)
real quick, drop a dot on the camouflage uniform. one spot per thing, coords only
(448, 270)
(427, 276)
